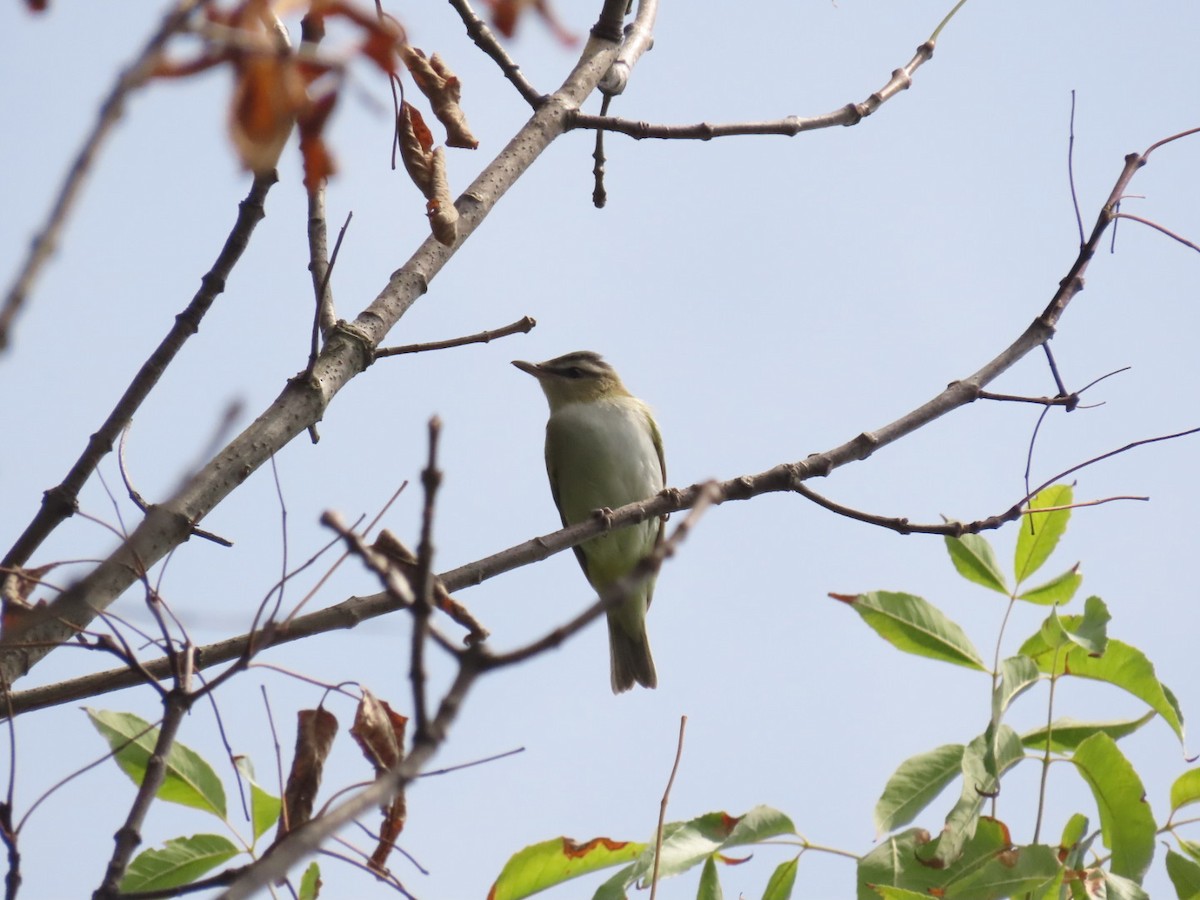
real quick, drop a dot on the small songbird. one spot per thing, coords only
(603, 451)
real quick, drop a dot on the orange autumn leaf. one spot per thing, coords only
(266, 99)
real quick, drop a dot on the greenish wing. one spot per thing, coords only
(656, 436)
(553, 475)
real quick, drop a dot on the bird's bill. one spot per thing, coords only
(529, 368)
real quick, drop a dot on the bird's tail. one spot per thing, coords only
(630, 657)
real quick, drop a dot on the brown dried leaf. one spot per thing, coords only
(15, 588)
(394, 818)
(444, 91)
(415, 141)
(402, 559)
(427, 169)
(315, 730)
(396, 551)
(379, 732)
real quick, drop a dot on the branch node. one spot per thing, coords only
(866, 444)
(357, 336)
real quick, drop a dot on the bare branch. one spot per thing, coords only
(1071, 170)
(662, 807)
(524, 325)
(431, 480)
(789, 126)
(1168, 232)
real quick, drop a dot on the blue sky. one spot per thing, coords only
(769, 297)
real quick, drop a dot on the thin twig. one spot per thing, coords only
(522, 326)
(599, 193)
(323, 316)
(422, 608)
(789, 126)
(475, 762)
(662, 808)
(485, 40)
(1062, 388)
(1159, 228)
(1071, 170)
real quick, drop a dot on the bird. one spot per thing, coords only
(603, 451)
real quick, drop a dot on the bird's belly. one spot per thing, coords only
(606, 459)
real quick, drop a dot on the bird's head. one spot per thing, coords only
(578, 377)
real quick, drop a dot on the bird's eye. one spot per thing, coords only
(574, 372)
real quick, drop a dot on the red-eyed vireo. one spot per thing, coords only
(603, 450)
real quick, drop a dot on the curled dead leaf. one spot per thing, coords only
(437, 82)
(427, 169)
(379, 732)
(315, 731)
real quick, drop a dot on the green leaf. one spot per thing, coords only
(975, 561)
(710, 884)
(1009, 873)
(264, 807)
(552, 862)
(1126, 822)
(1017, 675)
(914, 785)
(1041, 531)
(614, 888)
(916, 626)
(1186, 789)
(310, 882)
(783, 879)
(983, 762)
(685, 844)
(1191, 848)
(1118, 888)
(1057, 591)
(189, 780)
(1184, 874)
(180, 861)
(896, 893)
(1089, 631)
(1076, 842)
(1121, 665)
(1066, 734)
(894, 863)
